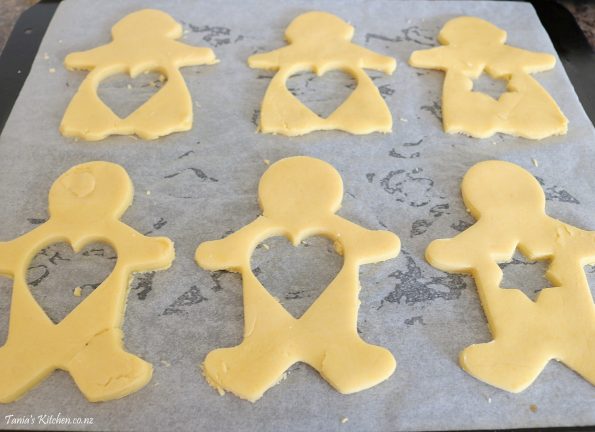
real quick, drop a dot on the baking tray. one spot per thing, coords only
(570, 43)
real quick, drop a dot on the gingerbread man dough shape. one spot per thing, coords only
(319, 42)
(85, 206)
(142, 41)
(472, 46)
(509, 206)
(299, 197)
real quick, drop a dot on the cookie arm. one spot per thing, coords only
(234, 250)
(370, 245)
(513, 59)
(433, 58)
(454, 255)
(191, 55)
(144, 253)
(86, 60)
(269, 61)
(373, 60)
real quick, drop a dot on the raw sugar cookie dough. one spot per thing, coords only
(85, 206)
(142, 41)
(472, 46)
(509, 206)
(299, 197)
(320, 42)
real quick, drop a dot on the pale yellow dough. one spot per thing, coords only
(85, 205)
(319, 42)
(142, 41)
(509, 206)
(472, 46)
(299, 197)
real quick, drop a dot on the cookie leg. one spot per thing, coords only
(512, 367)
(247, 370)
(86, 116)
(167, 111)
(283, 113)
(356, 365)
(583, 362)
(104, 371)
(19, 372)
(364, 111)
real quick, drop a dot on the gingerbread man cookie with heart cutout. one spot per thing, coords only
(320, 42)
(85, 206)
(142, 41)
(299, 197)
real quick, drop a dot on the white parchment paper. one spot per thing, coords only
(202, 184)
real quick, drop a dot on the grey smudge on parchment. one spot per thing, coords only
(414, 34)
(435, 109)
(198, 173)
(215, 36)
(412, 286)
(416, 319)
(254, 117)
(420, 226)
(188, 153)
(215, 277)
(143, 284)
(160, 223)
(394, 153)
(409, 187)
(190, 298)
(461, 225)
(386, 90)
(413, 144)
(556, 193)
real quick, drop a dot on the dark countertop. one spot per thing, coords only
(10, 10)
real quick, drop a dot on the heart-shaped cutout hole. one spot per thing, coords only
(296, 276)
(322, 94)
(525, 275)
(124, 94)
(60, 279)
(493, 87)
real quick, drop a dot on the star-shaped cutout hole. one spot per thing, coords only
(492, 87)
(525, 275)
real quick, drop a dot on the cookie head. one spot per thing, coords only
(300, 187)
(463, 30)
(499, 187)
(147, 22)
(91, 191)
(318, 25)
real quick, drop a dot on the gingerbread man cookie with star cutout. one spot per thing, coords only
(509, 206)
(472, 46)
